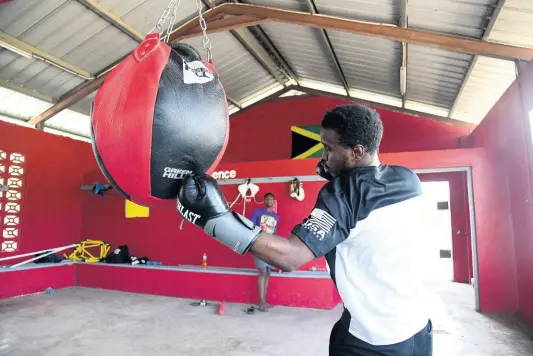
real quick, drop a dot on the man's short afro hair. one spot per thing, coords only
(355, 125)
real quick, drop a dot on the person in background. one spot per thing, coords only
(268, 221)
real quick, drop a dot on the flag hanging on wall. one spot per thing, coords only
(306, 142)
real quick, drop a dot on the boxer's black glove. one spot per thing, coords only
(322, 172)
(201, 202)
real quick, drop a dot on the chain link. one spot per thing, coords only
(205, 40)
(172, 8)
(172, 21)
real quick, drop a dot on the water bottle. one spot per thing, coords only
(204, 261)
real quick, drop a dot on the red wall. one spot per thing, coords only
(503, 134)
(36, 280)
(261, 133)
(159, 237)
(51, 211)
(264, 132)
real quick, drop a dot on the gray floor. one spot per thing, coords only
(80, 321)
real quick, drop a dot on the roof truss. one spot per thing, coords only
(236, 17)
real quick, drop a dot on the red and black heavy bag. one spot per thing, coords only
(160, 115)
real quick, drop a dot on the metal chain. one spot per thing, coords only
(172, 7)
(172, 21)
(203, 26)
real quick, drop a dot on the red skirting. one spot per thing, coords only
(34, 280)
(237, 288)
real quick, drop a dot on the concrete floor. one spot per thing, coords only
(78, 321)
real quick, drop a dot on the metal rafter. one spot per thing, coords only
(267, 43)
(30, 51)
(403, 71)
(486, 34)
(316, 92)
(384, 106)
(258, 32)
(331, 51)
(391, 32)
(252, 45)
(234, 102)
(112, 19)
(37, 95)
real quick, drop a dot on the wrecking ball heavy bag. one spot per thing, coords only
(161, 114)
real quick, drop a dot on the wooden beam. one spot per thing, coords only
(64, 103)
(113, 19)
(390, 32)
(386, 107)
(209, 15)
(36, 53)
(225, 24)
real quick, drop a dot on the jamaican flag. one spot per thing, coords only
(306, 142)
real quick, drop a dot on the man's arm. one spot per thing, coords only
(201, 202)
(286, 254)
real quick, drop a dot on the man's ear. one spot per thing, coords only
(358, 153)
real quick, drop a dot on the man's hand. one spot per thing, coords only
(201, 202)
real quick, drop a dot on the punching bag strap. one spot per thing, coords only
(147, 46)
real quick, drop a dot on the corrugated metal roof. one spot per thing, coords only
(36, 74)
(67, 30)
(372, 64)
(20, 105)
(381, 11)
(455, 17)
(86, 103)
(241, 75)
(487, 82)
(144, 14)
(19, 108)
(489, 77)
(295, 5)
(434, 76)
(304, 50)
(71, 122)
(72, 32)
(514, 24)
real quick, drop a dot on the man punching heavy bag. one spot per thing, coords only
(365, 222)
(149, 117)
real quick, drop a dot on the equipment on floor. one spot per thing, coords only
(161, 114)
(201, 303)
(120, 255)
(81, 253)
(222, 308)
(38, 255)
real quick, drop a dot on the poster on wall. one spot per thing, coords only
(306, 142)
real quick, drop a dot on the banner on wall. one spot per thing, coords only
(306, 142)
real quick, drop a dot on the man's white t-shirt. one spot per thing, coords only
(365, 224)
